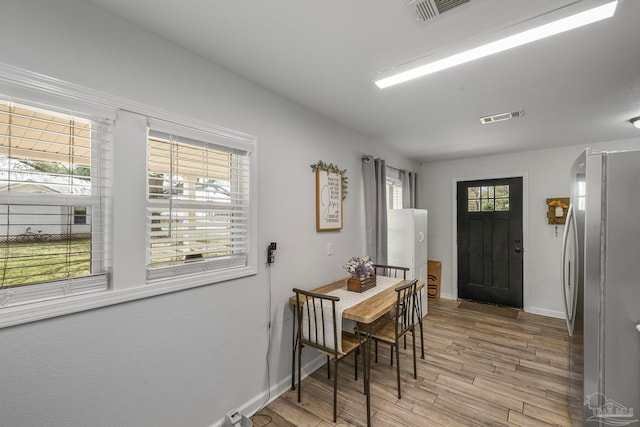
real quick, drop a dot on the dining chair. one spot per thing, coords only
(391, 330)
(317, 328)
(397, 272)
(419, 317)
(391, 270)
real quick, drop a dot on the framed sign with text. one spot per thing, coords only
(328, 200)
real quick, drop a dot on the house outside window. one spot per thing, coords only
(79, 215)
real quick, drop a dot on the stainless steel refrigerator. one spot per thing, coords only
(601, 288)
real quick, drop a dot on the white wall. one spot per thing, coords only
(546, 175)
(189, 357)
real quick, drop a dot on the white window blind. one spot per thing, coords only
(53, 165)
(394, 189)
(198, 204)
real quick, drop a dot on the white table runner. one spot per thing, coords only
(347, 299)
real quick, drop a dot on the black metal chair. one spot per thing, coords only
(318, 309)
(391, 271)
(391, 330)
(397, 272)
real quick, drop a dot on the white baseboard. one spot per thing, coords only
(545, 312)
(533, 310)
(249, 408)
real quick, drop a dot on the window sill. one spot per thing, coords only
(31, 312)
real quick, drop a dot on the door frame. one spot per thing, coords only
(525, 229)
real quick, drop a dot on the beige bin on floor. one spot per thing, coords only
(434, 269)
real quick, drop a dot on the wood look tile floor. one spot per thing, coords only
(479, 370)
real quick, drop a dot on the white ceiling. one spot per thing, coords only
(578, 87)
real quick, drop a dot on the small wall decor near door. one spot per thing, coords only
(330, 183)
(557, 210)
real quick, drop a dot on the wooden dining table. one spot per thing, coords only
(365, 314)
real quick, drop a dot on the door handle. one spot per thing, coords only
(569, 311)
(518, 249)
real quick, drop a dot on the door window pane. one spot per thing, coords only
(502, 205)
(487, 192)
(502, 191)
(488, 198)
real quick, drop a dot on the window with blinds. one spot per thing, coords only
(54, 201)
(394, 189)
(197, 204)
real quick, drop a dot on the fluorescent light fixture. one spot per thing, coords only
(421, 68)
(636, 122)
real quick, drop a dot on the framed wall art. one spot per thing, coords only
(328, 199)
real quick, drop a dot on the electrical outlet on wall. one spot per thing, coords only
(329, 248)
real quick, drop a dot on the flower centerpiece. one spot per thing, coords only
(362, 274)
(359, 267)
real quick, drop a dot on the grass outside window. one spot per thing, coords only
(36, 262)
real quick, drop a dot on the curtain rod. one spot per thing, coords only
(368, 158)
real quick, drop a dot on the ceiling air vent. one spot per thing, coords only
(500, 117)
(426, 10)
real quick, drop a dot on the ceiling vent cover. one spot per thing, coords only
(500, 117)
(426, 10)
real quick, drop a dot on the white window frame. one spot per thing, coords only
(98, 200)
(128, 279)
(194, 137)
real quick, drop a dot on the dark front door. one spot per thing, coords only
(490, 241)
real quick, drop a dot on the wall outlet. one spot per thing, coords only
(234, 417)
(329, 248)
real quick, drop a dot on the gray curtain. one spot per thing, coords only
(375, 208)
(409, 189)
